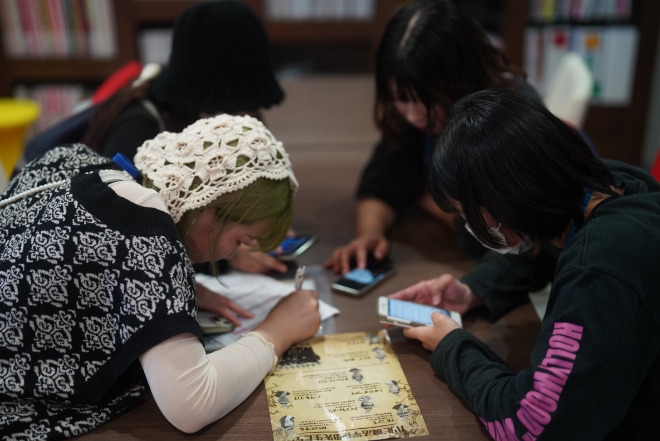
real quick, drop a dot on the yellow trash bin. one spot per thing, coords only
(16, 115)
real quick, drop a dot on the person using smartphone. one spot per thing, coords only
(430, 55)
(523, 179)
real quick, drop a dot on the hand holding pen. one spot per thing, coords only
(295, 317)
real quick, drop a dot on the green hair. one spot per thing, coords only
(264, 199)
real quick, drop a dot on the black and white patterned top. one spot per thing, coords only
(89, 281)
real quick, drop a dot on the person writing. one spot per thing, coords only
(221, 62)
(522, 179)
(430, 56)
(98, 291)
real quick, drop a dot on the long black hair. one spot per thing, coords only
(504, 153)
(433, 51)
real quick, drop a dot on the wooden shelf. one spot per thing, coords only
(158, 12)
(62, 70)
(318, 31)
(617, 132)
(130, 15)
(166, 11)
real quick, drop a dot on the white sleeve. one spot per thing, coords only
(194, 389)
(139, 195)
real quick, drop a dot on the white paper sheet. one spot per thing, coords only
(256, 293)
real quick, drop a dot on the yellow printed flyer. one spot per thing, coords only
(342, 387)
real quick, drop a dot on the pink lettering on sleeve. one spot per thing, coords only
(563, 342)
(557, 362)
(501, 430)
(539, 404)
(569, 330)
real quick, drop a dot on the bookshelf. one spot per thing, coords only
(617, 131)
(132, 15)
(368, 32)
(616, 126)
(73, 67)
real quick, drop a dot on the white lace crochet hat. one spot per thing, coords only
(193, 168)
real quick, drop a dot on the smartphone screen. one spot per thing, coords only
(360, 278)
(413, 312)
(293, 246)
(363, 276)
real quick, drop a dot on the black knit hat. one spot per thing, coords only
(220, 61)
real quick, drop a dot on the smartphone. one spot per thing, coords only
(293, 247)
(211, 323)
(409, 314)
(358, 281)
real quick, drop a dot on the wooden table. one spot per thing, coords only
(421, 249)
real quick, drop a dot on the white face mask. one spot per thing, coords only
(518, 248)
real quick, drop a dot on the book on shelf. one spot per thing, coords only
(550, 11)
(58, 28)
(310, 10)
(610, 52)
(556, 44)
(57, 102)
(533, 57)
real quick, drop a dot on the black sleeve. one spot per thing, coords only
(503, 281)
(129, 132)
(587, 365)
(395, 174)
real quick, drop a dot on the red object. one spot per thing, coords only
(560, 38)
(125, 75)
(655, 168)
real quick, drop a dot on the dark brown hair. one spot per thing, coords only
(433, 51)
(109, 111)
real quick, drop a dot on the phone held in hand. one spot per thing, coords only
(358, 281)
(409, 314)
(293, 247)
